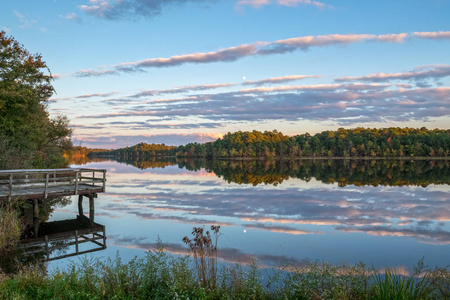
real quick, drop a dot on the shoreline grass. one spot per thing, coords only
(160, 275)
(10, 227)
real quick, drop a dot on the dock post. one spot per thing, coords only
(91, 209)
(80, 205)
(10, 186)
(47, 175)
(104, 180)
(76, 241)
(104, 237)
(36, 217)
(76, 182)
(46, 247)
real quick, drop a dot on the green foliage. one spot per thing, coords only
(10, 228)
(26, 129)
(139, 151)
(359, 142)
(393, 286)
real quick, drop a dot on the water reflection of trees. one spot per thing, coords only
(148, 163)
(343, 172)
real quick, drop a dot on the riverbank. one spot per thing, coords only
(161, 276)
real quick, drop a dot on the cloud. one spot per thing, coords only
(97, 95)
(131, 9)
(253, 3)
(317, 4)
(92, 73)
(291, 3)
(25, 23)
(420, 73)
(345, 104)
(427, 236)
(397, 38)
(232, 54)
(317, 87)
(434, 35)
(183, 89)
(70, 17)
(154, 125)
(282, 79)
(19, 15)
(306, 42)
(403, 85)
(280, 229)
(224, 55)
(118, 141)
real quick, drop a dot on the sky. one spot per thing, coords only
(180, 71)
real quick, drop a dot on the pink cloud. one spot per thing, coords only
(280, 79)
(419, 73)
(434, 35)
(232, 54)
(305, 2)
(253, 3)
(397, 38)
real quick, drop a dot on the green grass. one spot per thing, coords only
(160, 275)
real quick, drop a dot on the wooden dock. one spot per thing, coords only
(50, 183)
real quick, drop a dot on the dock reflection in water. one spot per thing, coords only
(49, 241)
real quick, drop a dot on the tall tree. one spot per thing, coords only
(26, 129)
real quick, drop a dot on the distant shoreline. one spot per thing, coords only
(409, 158)
(334, 158)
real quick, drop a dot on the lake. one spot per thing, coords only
(378, 212)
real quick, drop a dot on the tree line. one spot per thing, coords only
(391, 142)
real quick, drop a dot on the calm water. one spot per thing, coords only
(383, 214)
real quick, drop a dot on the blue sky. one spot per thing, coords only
(179, 71)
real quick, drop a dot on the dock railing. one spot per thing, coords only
(50, 182)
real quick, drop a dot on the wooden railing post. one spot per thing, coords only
(76, 182)
(10, 186)
(47, 175)
(104, 180)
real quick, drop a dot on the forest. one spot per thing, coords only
(360, 142)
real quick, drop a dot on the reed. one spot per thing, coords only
(203, 247)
